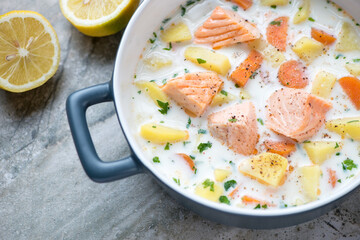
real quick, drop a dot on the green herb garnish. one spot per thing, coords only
(229, 184)
(253, 75)
(167, 146)
(235, 8)
(233, 120)
(164, 107)
(223, 92)
(307, 141)
(156, 160)
(311, 19)
(203, 146)
(224, 199)
(188, 123)
(356, 60)
(169, 48)
(336, 146)
(201, 61)
(273, 6)
(177, 181)
(201, 131)
(277, 23)
(339, 180)
(166, 20)
(353, 121)
(260, 121)
(257, 206)
(348, 164)
(183, 10)
(209, 183)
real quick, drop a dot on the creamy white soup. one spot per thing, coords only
(268, 133)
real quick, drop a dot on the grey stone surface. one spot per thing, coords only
(44, 192)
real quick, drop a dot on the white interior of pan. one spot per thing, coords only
(147, 18)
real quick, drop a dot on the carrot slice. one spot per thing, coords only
(351, 86)
(323, 37)
(292, 74)
(250, 200)
(332, 177)
(188, 160)
(234, 191)
(245, 4)
(282, 148)
(247, 68)
(276, 33)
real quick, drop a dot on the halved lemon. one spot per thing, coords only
(29, 51)
(98, 18)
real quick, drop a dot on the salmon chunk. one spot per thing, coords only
(296, 113)
(225, 27)
(245, 4)
(194, 91)
(236, 127)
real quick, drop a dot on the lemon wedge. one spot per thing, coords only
(98, 18)
(29, 51)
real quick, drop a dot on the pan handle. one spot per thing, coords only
(98, 170)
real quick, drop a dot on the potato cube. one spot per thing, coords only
(208, 59)
(209, 190)
(308, 49)
(303, 13)
(221, 98)
(274, 56)
(157, 61)
(161, 134)
(176, 33)
(323, 84)
(346, 127)
(258, 44)
(320, 151)
(349, 39)
(244, 94)
(221, 174)
(310, 179)
(153, 90)
(274, 2)
(266, 168)
(353, 68)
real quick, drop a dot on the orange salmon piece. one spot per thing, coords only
(295, 113)
(276, 33)
(244, 4)
(351, 86)
(247, 68)
(224, 28)
(194, 91)
(283, 148)
(323, 37)
(292, 74)
(236, 127)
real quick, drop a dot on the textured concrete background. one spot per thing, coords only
(44, 192)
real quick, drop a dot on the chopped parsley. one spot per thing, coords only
(337, 154)
(169, 48)
(175, 75)
(200, 60)
(153, 126)
(356, 60)
(229, 184)
(235, 8)
(237, 85)
(167, 146)
(307, 141)
(156, 159)
(152, 81)
(223, 92)
(164, 107)
(336, 146)
(190, 2)
(177, 181)
(209, 183)
(348, 164)
(338, 56)
(300, 8)
(339, 180)
(166, 20)
(186, 70)
(183, 10)
(273, 6)
(186, 142)
(203, 146)
(311, 19)
(353, 121)
(139, 92)
(201, 131)
(339, 9)
(232, 120)
(224, 199)
(192, 157)
(188, 123)
(257, 206)
(262, 206)
(260, 121)
(164, 81)
(277, 23)
(152, 40)
(253, 75)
